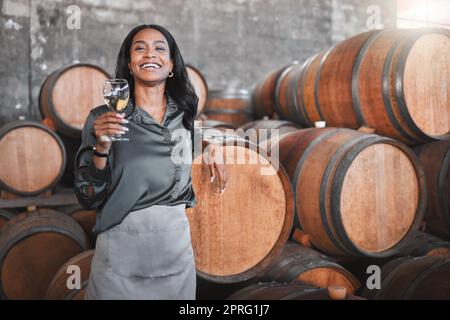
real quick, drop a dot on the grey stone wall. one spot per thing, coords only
(234, 43)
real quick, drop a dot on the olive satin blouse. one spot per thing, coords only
(152, 168)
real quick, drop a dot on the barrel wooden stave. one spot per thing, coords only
(269, 127)
(413, 278)
(86, 219)
(58, 289)
(435, 158)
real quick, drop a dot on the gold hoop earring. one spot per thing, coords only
(170, 74)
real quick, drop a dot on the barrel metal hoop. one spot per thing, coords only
(301, 116)
(317, 80)
(398, 87)
(344, 244)
(386, 90)
(442, 186)
(355, 77)
(277, 91)
(307, 120)
(299, 166)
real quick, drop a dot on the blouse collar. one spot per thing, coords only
(139, 115)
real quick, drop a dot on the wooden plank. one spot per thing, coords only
(57, 199)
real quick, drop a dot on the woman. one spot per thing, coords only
(143, 248)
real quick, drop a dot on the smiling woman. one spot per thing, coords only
(143, 248)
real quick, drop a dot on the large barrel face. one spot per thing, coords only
(356, 194)
(68, 95)
(232, 107)
(33, 157)
(200, 87)
(58, 289)
(33, 246)
(372, 192)
(253, 216)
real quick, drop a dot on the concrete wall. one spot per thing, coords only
(233, 42)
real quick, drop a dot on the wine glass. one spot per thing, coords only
(116, 93)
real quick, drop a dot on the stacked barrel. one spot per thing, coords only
(37, 242)
(367, 186)
(307, 210)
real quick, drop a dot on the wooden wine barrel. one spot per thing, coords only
(298, 264)
(263, 99)
(69, 93)
(267, 126)
(229, 106)
(284, 291)
(238, 234)
(33, 246)
(217, 125)
(58, 289)
(5, 216)
(424, 244)
(356, 194)
(380, 79)
(290, 93)
(435, 158)
(279, 291)
(86, 219)
(200, 87)
(33, 158)
(408, 278)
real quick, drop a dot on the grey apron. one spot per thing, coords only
(147, 256)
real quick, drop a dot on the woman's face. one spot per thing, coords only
(150, 56)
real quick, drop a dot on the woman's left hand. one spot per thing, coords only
(217, 166)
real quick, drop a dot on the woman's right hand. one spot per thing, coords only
(106, 125)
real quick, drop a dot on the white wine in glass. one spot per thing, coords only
(116, 93)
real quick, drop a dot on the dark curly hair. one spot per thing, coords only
(179, 87)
